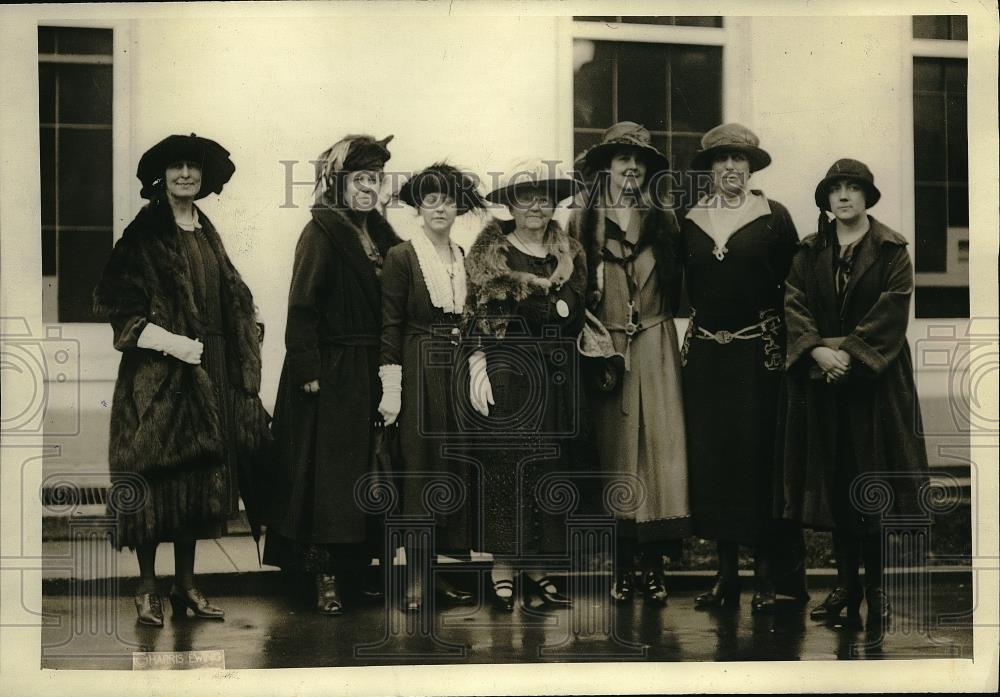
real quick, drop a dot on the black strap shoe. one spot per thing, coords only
(725, 593)
(622, 589)
(503, 595)
(655, 587)
(545, 589)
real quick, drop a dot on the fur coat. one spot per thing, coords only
(164, 413)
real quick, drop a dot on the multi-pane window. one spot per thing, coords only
(75, 108)
(941, 173)
(674, 90)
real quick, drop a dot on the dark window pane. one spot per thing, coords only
(928, 74)
(699, 21)
(956, 74)
(930, 27)
(83, 41)
(959, 27)
(84, 177)
(82, 256)
(958, 205)
(695, 87)
(48, 252)
(642, 85)
(590, 18)
(958, 139)
(663, 21)
(931, 243)
(85, 94)
(929, 147)
(47, 165)
(46, 92)
(46, 40)
(592, 80)
(941, 301)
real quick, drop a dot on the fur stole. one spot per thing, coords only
(658, 228)
(492, 281)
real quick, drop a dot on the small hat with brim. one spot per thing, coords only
(730, 137)
(622, 135)
(442, 178)
(212, 158)
(852, 170)
(533, 173)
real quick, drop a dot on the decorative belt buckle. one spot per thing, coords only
(723, 337)
(631, 328)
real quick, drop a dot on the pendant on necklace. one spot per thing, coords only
(562, 308)
(720, 254)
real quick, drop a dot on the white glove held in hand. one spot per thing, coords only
(180, 347)
(392, 392)
(480, 389)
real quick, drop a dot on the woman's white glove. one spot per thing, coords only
(392, 392)
(480, 389)
(180, 347)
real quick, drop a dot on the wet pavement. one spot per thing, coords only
(95, 631)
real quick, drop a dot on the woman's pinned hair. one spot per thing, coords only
(442, 178)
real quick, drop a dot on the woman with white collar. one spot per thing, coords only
(423, 296)
(738, 249)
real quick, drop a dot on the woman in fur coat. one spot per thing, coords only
(634, 269)
(527, 280)
(186, 416)
(329, 390)
(851, 423)
(423, 297)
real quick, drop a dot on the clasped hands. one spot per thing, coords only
(835, 363)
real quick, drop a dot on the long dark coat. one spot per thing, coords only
(165, 414)
(323, 441)
(416, 336)
(878, 395)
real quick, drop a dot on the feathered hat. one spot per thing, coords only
(442, 178)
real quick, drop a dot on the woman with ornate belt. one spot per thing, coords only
(738, 248)
(423, 297)
(632, 246)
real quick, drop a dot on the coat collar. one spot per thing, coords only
(346, 236)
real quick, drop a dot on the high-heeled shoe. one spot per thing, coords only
(328, 600)
(547, 591)
(879, 608)
(725, 592)
(838, 599)
(503, 602)
(622, 588)
(182, 599)
(149, 609)
(763, 601)
(655, 587)
(448, 592)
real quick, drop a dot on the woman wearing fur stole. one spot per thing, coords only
(527, 279)
(423, 297)
(186, 418)
(633, 289)
(329, 389)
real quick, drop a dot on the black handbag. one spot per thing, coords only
(386, 458)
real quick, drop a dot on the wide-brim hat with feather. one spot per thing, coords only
(851, 170)
(442, 178)
(533, 173)
(213, 160)
(625, 134)
(730, 137)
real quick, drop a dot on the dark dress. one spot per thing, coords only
(536, 418)
(731, 389)
(869, 424)
(424, 340)
(323, 441)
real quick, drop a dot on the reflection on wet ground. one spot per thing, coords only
(277, 632)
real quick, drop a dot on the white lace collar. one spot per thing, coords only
(447, 290)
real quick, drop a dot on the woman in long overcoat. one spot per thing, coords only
(423, 298)
(186, 418)
(329, 389)
(852, 449)
(633, 250)
(739, 245)
(527, 280)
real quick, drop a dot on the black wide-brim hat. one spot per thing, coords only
(442, 178)
(625, 134)
(726, 138)
(852, 170)
(213, 159)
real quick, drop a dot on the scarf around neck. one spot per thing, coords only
(445, 282)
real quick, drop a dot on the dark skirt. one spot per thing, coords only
(730, 405)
